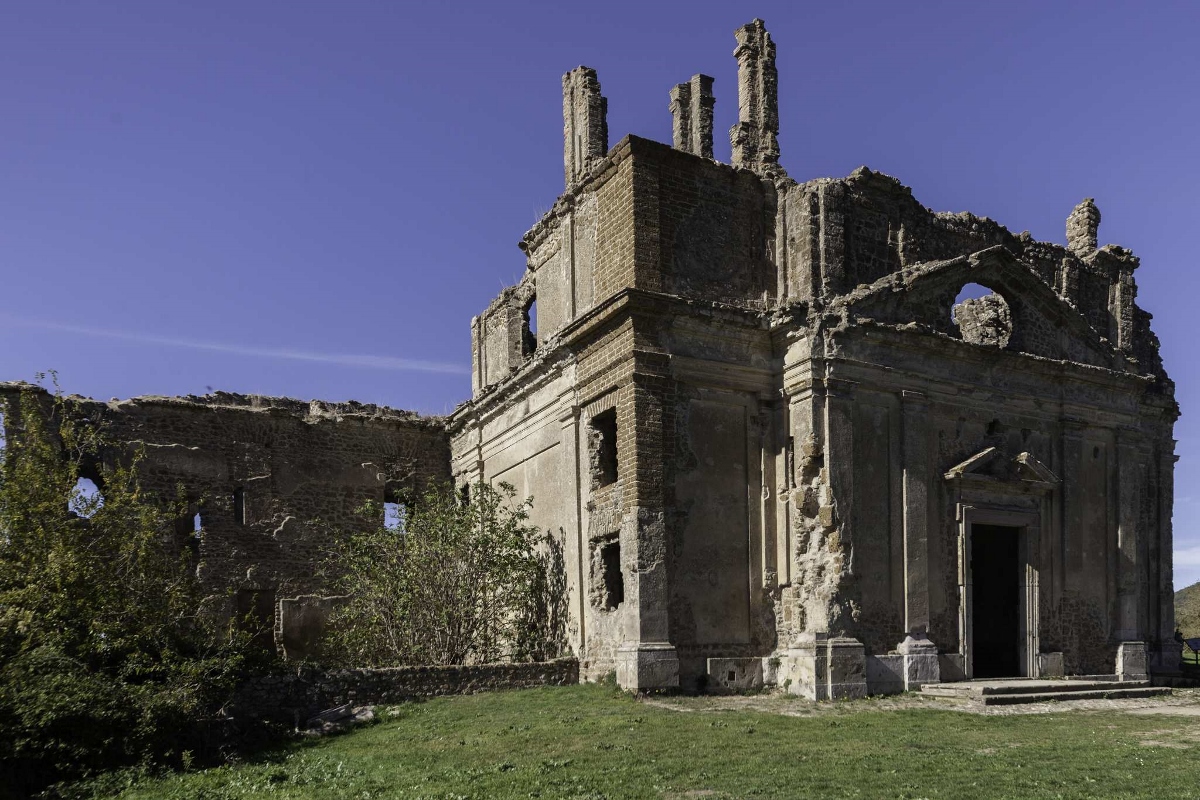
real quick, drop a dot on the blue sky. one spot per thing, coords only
(312, 199)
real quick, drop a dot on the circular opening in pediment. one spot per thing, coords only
(981, 316)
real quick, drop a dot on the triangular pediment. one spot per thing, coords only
(1042, 323)
(993, 464)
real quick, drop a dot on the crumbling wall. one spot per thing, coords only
(259, 471)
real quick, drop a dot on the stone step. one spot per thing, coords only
(1099, 694)
(1040, 692)
(975, 689)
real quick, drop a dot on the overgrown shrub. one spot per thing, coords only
(459, 582)
(107, 657)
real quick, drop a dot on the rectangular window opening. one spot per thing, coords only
(395, 516)
(603, 448)
(612, 579)
(529, 327)
(239, 506)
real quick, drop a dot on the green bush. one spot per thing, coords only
(107, 655)
(458, 582)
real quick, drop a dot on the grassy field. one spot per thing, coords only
(589, 742)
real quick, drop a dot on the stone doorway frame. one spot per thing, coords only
(1028, 525)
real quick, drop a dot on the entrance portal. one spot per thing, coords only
(995, 627)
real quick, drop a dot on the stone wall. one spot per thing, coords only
(267, 481)
(296, 697)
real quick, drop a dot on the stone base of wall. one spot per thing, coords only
(293, 698)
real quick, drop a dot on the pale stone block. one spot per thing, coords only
(847, 669)
(920, 662)
(735, 674)
(647, 666)
(1132, 663)
(1050, 665)
(885, 674)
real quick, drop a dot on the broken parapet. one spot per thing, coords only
(692, 116)
(585, 123)
(1083, 228)
(755, 136)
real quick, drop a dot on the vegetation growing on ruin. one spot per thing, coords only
(106, 656)
(589, 742)
(458, 582)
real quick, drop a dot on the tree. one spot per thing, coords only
(458, 582)
(107, 656)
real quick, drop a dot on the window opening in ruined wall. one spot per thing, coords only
(602, 448)
(86, 498)
(256, 616)
(239, 506)
(982, 316)
(608, 580)
(529, 327)
(395, 516)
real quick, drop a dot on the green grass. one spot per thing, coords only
(588, 742)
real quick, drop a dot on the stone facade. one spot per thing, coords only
(776, 448)
(774, 444)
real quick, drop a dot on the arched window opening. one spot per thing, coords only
(86, 498)
(982, 316)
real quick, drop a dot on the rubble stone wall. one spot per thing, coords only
(295, 697)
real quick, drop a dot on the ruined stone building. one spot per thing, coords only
(775, 447)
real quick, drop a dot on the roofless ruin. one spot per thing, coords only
(775, 448)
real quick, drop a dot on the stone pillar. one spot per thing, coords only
(575, 550)
(692, 116)
(821, 667)
(755, 136)
(477, 364)
(585, 123)
(920, 665)
(646, 660)
(916, 514)
(681, 117)
(1083, 227)
(1169, 651)
(1130, 584)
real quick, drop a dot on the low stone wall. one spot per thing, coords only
(298, 696)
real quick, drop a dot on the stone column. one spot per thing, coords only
(755, 136)
(920, 654)
(585, 123)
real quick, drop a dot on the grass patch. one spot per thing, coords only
(588, 742)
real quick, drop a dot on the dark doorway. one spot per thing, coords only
(996, 601)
